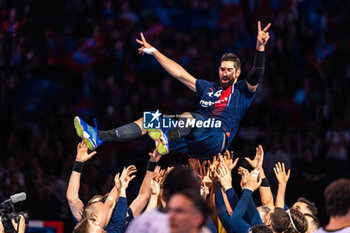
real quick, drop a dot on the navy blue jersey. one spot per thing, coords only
(228, 106)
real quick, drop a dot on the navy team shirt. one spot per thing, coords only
(228, 106)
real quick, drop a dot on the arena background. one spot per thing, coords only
(59, 59)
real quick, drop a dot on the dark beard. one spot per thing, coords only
(226, 85)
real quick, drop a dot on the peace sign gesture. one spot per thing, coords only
(146, 47)
(263, 37)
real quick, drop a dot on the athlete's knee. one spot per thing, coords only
(139, 122)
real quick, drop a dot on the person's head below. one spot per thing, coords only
(187, 212)
(94, 216)
(180, 178)
(337, 198)
(309, 210)
(88, 225)
(298, 222)
(278, 220)
(260, 229)
(305, 206)
(263, 212)
(229, 70)
(312, 222)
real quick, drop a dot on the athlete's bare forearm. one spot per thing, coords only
(175, 70)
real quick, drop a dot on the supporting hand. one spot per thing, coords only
(253, 182)
(154, 156)
(126, 177)
(257, 162)
(82, 152)
(224, 176)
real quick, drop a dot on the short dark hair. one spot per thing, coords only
(299, 221)
(231, 57)
(260, 229)
(198, 202)
(310, 205)
(279, 220)
(337, 197)
(180, 178)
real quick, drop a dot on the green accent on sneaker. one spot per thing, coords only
(89, 144)
(78, 127)
(155, 134)
(162, 149)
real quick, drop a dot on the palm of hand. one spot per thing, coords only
(155, 187)
(82, 153)
(230, 163)
(282, 177)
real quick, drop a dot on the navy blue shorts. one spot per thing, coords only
(201, 143)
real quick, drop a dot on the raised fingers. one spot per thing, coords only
(267, 27)
(235, 162)
(92, 154)
(139, 41)
(143, 38)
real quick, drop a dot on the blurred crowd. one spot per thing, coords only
(79, 57)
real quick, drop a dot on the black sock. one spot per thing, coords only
(177, 133)
(124, 133)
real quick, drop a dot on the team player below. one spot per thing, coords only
(227, 101)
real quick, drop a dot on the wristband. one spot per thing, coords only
(149, 50)
(78, 166)
(265, 182)
(151, 165)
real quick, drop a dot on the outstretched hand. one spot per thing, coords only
(157, 180)
(253, 182)
(263, 37)
(228, 160)
(154, 156)
(82, 152)
(224, 175)
(144, 44)
(244, 176)
(280, 172)
(257, 162)
(127, 176)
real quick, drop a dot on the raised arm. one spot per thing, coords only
(155, 187)
(145, 190)
(169, 65)
(264, 190)
(282, 178)
(257, 70)
(75, 204)
(236, 219)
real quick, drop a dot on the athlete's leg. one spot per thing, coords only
(182, 132)
(126, 132)
(94, 137)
